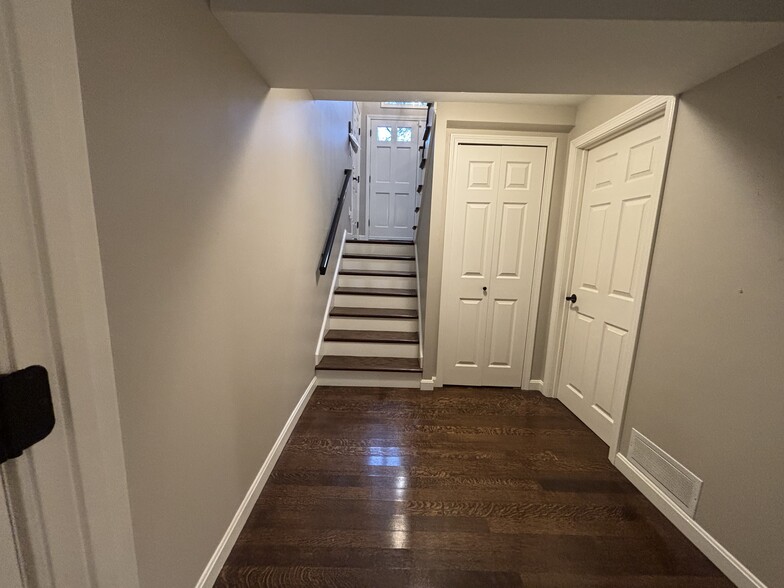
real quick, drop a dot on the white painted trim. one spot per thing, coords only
(367, 150)
(330, 299)
(644, 112)
(427, 384)
(371, 379)
(551, 144)
(419, 304)
(229, 538)
(537, 385)
(77, 513)
(704, 541)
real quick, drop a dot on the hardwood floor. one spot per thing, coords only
(459, 487)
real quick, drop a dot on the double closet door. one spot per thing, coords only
(495, 202)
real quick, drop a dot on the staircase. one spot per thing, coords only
(372, 332)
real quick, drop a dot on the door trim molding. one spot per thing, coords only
(644, 112)
(551, 144)
(366, 157)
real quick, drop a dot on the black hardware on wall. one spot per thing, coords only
(426, 136)
(326, 253)
(26, 411)
(419, 188)
(423, 163)
(416, 209)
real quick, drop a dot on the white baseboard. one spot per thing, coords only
(739, 574)
(419, 307)
(218, 558)
(537, 385)
(427, 384)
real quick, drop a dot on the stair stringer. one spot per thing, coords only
(330, 300)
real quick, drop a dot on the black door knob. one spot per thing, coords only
(484, 289)
(572, 298)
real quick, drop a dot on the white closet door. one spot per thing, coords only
(617, 217)
(467, 261)
(495, 199)
(518, 202)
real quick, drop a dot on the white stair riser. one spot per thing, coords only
(372, 324)
(395, 265)
(379, 249)
(377, 282)
(370, 349)
(359, 301)
(369, 378)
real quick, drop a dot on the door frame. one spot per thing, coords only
(551, 144)
(68, 494)
(369, 118)
(646, 111)
(355, 144)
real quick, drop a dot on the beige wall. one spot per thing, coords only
(707, 384)
(486, 118)
(599, 109)
(213, 197)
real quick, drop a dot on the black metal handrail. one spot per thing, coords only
(326, 253)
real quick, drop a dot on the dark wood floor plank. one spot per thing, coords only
(455, 487)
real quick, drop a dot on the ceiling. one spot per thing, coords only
(350, 54)
(705, 10)
(375, 96)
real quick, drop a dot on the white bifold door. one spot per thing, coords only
(392, 178)
(620, 194)
(495, 201)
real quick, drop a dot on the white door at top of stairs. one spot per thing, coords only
(489, 282)
(392, 177)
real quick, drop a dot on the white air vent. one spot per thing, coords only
(679, 483)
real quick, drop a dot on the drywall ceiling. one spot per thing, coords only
(498, 55)
(375, 96)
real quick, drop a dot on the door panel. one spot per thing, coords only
(391, 198)
(468, 260)
(615, 230)
(495, 196)
(501, 334)
(470, 327)
(519, 202)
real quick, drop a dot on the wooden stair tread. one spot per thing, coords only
(369, 364)
(376, 291)
(353, 336)
(378, 256)
(377, 273)
(359, 312)
(381, 241)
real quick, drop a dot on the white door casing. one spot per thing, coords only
(616, 175)
(356, 154)
(392, 175)
(497, 211)
(67, 495)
